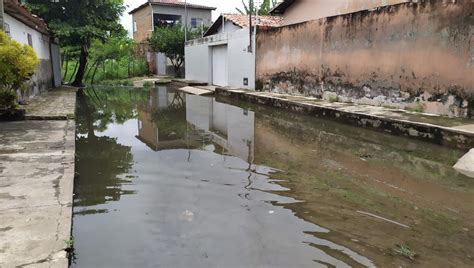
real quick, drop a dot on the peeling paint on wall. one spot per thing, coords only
(411, 55)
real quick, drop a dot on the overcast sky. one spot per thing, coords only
(223, 6)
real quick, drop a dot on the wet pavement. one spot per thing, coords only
(165, 179)
(36, 187)
(55, 104)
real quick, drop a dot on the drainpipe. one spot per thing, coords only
(1, 15)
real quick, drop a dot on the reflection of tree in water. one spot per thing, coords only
(100, 160)
(171, 121)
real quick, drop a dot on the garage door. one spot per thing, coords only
(219, 65)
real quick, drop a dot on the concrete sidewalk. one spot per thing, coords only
(36, 184)
(456, 132)
(56, 104)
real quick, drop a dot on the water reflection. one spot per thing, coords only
(231, 127)
(206, 183)
(100, 159)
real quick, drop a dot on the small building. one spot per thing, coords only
(225, 56)
(25, 28)
(296, 11)
(164, 13)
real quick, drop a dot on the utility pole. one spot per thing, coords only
(1, 15)
(186, 21)
(250, 25)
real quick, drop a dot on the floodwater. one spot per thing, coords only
(165, 179)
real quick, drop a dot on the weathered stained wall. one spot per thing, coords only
(143, 21)
(305, 10)
(410, 55)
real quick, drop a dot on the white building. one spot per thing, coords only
(225, 56)
(26, 28)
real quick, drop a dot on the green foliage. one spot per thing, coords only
(263, 10)
(17, 65)
(78, 23)
(170, 41)
(418, 107)
(7, 99)
(403, 250)
(111, 59)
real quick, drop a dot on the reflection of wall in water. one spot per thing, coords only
(160, 98)
(231, 127)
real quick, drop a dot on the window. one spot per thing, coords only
(30, 40)
(134, 26)
(6, 27)
(196, 22)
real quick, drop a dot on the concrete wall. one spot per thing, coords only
(306, 10)
(42, 80)
(411, 55)
(241, 63)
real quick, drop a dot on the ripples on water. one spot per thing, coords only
(172, 180)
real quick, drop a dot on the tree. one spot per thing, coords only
(170, 41)
(79, 22)
(263, 10)
(17, 65)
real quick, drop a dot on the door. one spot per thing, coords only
(219, 65)
(56, 62)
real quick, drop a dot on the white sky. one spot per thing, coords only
(223, 6)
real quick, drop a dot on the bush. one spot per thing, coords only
(17, 65)
(7, 99)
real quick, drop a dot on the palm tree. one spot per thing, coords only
(263, 10)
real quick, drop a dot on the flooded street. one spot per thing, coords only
(165, 179)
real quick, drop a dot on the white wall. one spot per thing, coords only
(19, 31)
(229, 27)
(241, 63)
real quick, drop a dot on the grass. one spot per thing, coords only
(418, 108)
(147, 84)
(69, 243)
(403, 250)
(110, 71)
(334, 99)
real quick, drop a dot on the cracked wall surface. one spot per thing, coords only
(36, 189)
(417, 56)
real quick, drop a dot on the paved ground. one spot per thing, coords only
(458, 132)
(36, 184)
(57, 104)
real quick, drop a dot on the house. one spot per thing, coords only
(225, 56)
(164, 13)
(230, 127)
(25, 28)
(296, 11)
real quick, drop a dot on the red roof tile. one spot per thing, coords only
(19, 12)
(263, 21)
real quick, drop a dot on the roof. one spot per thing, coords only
(281, 7)
(21, 13)
(172, 3)
(243, 22)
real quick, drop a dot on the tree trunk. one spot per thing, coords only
(82, 67)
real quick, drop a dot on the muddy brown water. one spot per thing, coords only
(165, 179)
